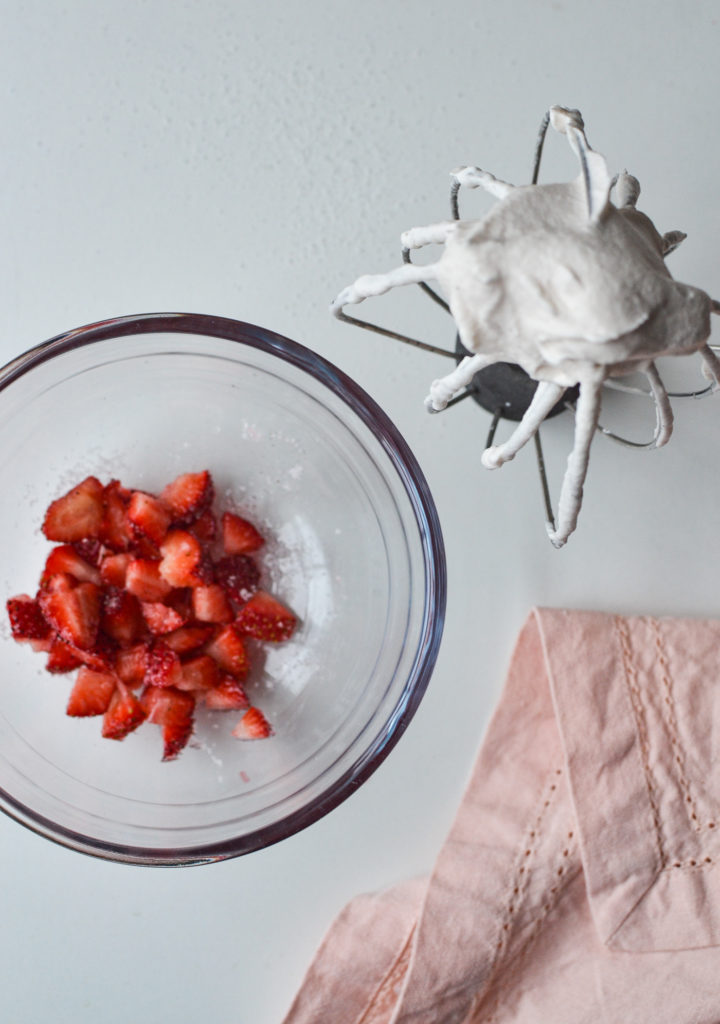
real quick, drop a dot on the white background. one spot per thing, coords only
(250, 159)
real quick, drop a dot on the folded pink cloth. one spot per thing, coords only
(580, 879)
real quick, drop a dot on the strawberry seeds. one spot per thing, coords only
(151, 599)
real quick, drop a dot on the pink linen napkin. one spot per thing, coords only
(579, 882)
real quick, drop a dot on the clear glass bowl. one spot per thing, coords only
(355, 550)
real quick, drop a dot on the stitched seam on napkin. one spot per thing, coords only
(384, 999)
(631, 678)
(689, 801)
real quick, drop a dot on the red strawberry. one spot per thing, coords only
(252, 726)
(116, 531)
(61, 657)
(184, 563)
(120, 618)
(229, 652)
(228, 694)
(57, 582)
(101, 656)
(205, 527)
(143, 579)
(199, 673)
(113, 569)
(66, 559)
(160, 618)
(90, 549)
(131, 664)
(92, 693)
(124, 714)
(210, 604)
(74, 614)
(149, 516)
(239, 575)
(189, 496)
(174, 711)
(264, 618)
(77, 514)
(163, 666)
(188, 638)
(240, 537)
(27, 621)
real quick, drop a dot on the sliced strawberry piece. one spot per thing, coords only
(101, 656)
(77, 514)
(264, 618)
(131, 664)
(121, 617)
(205, 527)
(184, 563)
(149, 516)
(124, 714)
(163, 666)
(160, 618)
(174, 710)
(42, 646)
(59, 581)
(252, 726)
(239, 576)
(66, 559)
(229, 652)
(189, 496)
(27, 621)
(90, 549)
(113, 569)
(240, 537)
(188, 638)
(116, 531)
(210, 604)
(61, 657)
(199, 673)
(228, 694)
(91, 694)
(143, 579)
(74, 614)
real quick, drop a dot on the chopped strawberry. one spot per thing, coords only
(229, 694)
(184, 563)
(66, 559)
(149, 516)
(143, 579)
(113, 569)
(240, 537)
(210, 604)
(74, 614)
(90, 549)
(27, 621)
(189, 496)
(205, 527)
(163, 666)
(120, 617)
(188, 638)
(174, 710)
(76, 515)
(92, 693)
(199, 673)
(59, 581)
(101, 656)
(229, 652)
(252, 726)
(124, 714)
(42, 646)
(160, 618)
(131, 664)
(61, 657)
(116, 531)
(238, 575)
(264, 618)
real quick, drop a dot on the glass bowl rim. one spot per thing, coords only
(423, 507)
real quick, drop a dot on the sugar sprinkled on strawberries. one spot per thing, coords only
(147, 601)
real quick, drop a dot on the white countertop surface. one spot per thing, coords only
(250, 160)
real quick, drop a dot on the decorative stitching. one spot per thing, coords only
(387, 993)
(534, 930)
(631, 678)
(672, 724)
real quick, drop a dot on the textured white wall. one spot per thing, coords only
(250, 159)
